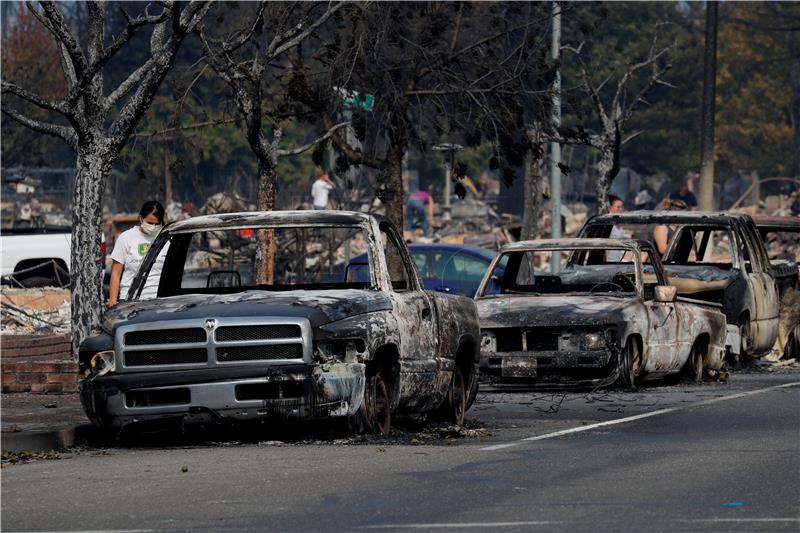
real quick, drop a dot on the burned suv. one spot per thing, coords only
(255, 316)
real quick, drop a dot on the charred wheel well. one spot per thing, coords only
(703, 340)
(744, 317)
(635, 337)
(387, 361)
(465, 358)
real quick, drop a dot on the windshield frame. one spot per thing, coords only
(543, 246)
(377, 267)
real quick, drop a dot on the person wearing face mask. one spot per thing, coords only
(129, 251)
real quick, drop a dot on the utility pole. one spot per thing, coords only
(448, 150)
(706, 193)
(555, 148)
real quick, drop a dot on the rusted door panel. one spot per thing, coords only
(764, 321)
(419, 344)
(661, 348)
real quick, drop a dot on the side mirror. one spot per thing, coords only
(666, 293)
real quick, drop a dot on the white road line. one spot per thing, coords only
(756, 520)
(439, 525)
(637, 417)
(97, 531)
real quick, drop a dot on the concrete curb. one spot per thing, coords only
(46, 440)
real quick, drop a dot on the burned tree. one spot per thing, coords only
(612, 104)
(440, 72)
(615, 112)
(97, 123)
(246, 60)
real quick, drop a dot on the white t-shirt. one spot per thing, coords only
(320, 191)
(129, 249)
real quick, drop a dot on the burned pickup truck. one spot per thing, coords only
(781, 237)
(592, 313)
(227, 339)
(716, 257)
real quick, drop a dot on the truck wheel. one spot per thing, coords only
(746, 344)
(792, 349)
(630, 362)
(695, 364)
(455, 404)
(472, 388)
(375, 414)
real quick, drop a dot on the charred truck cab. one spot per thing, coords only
(592, 313)
(714, 257)
(226, 339)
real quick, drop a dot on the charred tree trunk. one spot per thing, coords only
(392, 196)
(607, 167)
(267, 179)
(532, 214)
(97, 142)
(94, 164)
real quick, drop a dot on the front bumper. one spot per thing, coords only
(243, 393)
(552, 369)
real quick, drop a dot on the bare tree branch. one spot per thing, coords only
(150, 79)
(295, 36)
(303, 148)
(12, 88)
(243, 36)
(64, 132)
(60, 29)
(188, 127)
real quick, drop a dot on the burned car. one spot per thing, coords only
(591, 312)
(781, 237)
(228, 339)
(716, 257)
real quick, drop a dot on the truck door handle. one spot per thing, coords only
(426, 313)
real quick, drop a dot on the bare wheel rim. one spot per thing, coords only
(380, 411)
(635, 361)
(697, 357)
(744, 334)
(458, 399)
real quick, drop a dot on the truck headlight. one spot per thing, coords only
(103, 363)
(594, 341)
(343, 350)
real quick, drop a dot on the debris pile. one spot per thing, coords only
(35, 311)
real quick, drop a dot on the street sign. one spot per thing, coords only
(356, 100)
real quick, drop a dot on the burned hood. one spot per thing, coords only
(319, 307)
(505, 311)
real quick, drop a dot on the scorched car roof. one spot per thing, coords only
(576, 243)
(669, 217)
(268, 219)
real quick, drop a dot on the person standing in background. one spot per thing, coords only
(321, 189)
(129, 251)
(615, 206)
(686, 196)
(420, 205)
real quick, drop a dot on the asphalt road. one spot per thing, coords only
(713, 457)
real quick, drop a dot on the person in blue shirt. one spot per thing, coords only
(685, 195)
